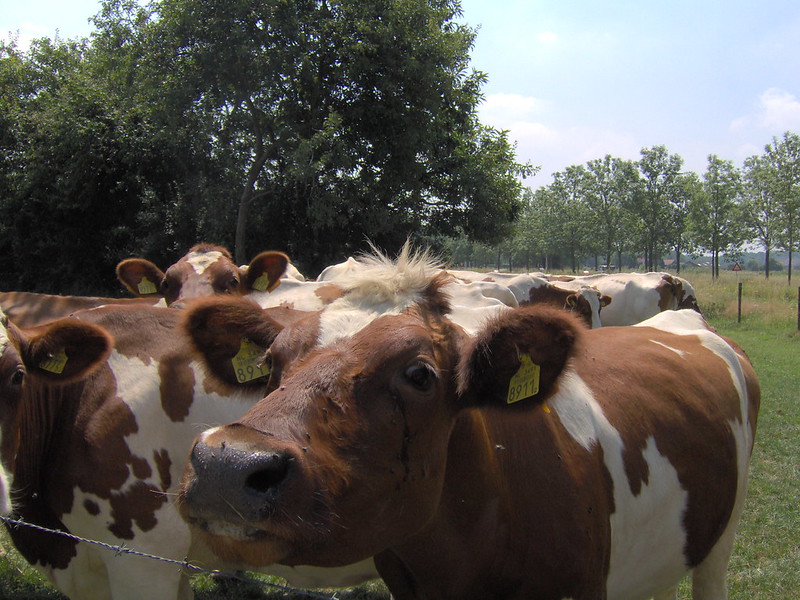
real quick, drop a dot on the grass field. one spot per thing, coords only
(766, 560)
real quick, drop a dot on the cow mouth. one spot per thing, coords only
(237, 532)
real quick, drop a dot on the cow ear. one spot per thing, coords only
(571, 301)
(140, 276)
(264, 271)
(605, 300)
(517, 357)
(66, 351)
(232, 336)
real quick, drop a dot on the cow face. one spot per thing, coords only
(205, 270)
(60, 352)
(347, 456)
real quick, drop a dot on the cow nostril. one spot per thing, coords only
(270, 475)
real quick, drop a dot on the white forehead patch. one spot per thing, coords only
(3, 332)
(200, 261)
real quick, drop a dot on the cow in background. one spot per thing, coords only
(61, 352)
(639, 296)
(204, 270)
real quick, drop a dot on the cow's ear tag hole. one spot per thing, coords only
(525, 382)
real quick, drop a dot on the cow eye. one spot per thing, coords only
(18, 377)
(234, 283)
(421, 376)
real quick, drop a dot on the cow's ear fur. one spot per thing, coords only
(66, 351)
(216, 327)
(492, 357)
(264, 271)
(140, 276)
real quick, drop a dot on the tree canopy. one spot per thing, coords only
(309, 126)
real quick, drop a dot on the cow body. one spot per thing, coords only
(531, 459)
(28, 309)
(104, 461)
(639, 296)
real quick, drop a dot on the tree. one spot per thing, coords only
(652, 205)
(783, 156)
(73, 189)
(689, 186)
(760, 205)
(716, 216)
(609, 185)
(346, 119)
(566, 218)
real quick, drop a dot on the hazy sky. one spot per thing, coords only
(574, 80)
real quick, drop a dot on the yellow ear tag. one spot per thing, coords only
(525, 382)
(249, 362)
(55, 363)
(262, 283)
(147, 287)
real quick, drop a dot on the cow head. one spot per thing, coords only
(59, 352)
(347, 456)
(206, 270)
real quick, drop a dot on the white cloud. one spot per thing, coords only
(509, 107)
(779, 109)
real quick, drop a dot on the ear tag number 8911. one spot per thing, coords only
(525, 382)
(248, 364)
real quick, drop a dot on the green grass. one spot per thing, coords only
(766, 560)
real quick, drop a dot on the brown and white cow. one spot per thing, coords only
(534, 459)
(102, 458)
(638, 296)
(204, 270)
(58, 353)
(576, 297)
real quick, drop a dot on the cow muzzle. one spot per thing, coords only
(232, 491)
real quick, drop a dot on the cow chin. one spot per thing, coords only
(242, 545)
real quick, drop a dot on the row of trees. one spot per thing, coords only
(307, 126)
(652, 207)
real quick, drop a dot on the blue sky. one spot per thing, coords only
(573, 80)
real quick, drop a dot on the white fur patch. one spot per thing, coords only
(4, 341)
(680, 353)
(647, 536)
(200, 261)
(378, 286)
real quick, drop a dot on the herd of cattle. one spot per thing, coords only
(458, 434)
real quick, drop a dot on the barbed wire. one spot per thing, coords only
(121, 549)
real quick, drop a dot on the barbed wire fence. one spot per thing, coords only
(121, 549)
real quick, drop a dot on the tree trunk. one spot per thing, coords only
(766, 263)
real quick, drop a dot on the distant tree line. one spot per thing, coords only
(612, 208)
(307, 126)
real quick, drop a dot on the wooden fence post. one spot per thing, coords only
(739, 313)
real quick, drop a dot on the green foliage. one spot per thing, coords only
(716, 219)
(307, 126)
